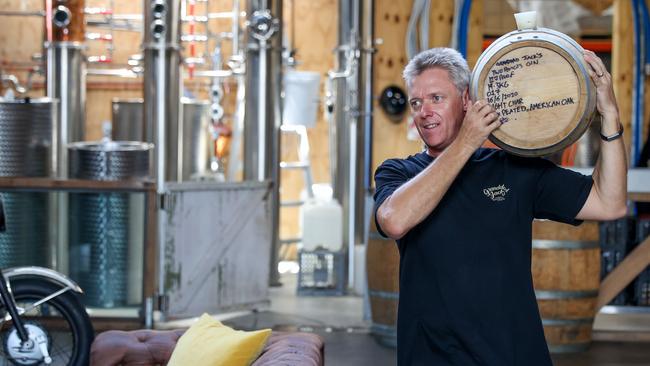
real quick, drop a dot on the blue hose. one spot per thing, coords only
(463, 27)
(638, 84)
(645, 21)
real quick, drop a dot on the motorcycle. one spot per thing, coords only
(42, 320)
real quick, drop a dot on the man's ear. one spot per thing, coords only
(467, 102)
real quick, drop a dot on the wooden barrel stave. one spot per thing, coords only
(382, 266)
(566, 275)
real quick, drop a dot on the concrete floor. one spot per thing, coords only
(340, 322)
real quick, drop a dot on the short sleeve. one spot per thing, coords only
(561, 193)
(390, 175)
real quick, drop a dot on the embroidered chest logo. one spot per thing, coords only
(497, 193)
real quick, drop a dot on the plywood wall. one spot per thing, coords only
(315, 31)
(391, 22)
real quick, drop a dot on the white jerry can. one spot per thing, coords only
(322, 225)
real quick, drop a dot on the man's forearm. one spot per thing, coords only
(417, 198)
(610, 172)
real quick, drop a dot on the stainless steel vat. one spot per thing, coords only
(100, 224)
(128, 120)
(26, 150)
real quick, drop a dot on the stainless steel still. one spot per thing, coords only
(100, 226)
(162, 79)
(26, 150)
(263, 113)
(188, 140)
(352, 131)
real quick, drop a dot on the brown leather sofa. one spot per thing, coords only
(154, 347)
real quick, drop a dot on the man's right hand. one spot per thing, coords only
(479, 122)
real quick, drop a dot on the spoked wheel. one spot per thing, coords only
(59, 327)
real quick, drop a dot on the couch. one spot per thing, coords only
(154, 347)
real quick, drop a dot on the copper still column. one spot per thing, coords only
(66, 74)
(66, 83)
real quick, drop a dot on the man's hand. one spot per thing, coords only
(480, 120)
(605, 99)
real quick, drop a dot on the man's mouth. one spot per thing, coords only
(430, 125)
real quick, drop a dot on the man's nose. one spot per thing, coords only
(427, 107)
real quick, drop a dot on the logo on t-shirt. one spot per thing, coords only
(497, 193)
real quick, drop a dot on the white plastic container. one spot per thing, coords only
(360, 281)
(301, 98)
(322, 224)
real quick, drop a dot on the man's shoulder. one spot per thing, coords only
(501, 156)
(417, 159)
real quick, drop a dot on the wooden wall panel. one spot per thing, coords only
(315, 31)
(20, 36)
(475, 35)
(391, 22)
(622, 62)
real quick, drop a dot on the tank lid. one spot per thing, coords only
(109, 145)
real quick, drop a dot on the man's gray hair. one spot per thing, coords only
(444, 58)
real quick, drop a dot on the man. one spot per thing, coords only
(466, 292)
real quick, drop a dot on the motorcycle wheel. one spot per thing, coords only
(62, 320)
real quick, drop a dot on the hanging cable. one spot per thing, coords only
(417, 12)
(424, 25)
(458, 5)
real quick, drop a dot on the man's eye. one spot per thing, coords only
(437, 98)
(416, 103)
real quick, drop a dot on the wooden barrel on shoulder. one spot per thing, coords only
(566, 276)
(382, 267)
(538, 82)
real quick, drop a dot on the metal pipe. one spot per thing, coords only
(13, 81)
(40, 13)
(66, 82)
(364, 183)
(353, 120)
(235, 15)
(263, 107)
(123, 73)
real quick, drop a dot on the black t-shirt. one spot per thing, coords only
(466, 292)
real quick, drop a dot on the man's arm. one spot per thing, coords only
(608, 196)
(416, 199)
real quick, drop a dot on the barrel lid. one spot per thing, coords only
(538, 82)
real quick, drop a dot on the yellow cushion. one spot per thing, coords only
(208, 342)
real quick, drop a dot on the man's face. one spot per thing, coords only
(438, 108)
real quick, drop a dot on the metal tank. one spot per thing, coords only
(100, 226)
(128, 120)
(194, 142)
(584, 153)
(188, 144)
(26, 129)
